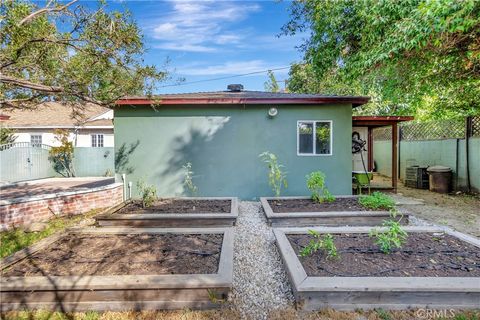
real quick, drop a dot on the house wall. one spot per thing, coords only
(83, 138)
(223, 144)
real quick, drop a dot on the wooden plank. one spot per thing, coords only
(350, 293)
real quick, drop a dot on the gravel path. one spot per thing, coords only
(260, 284)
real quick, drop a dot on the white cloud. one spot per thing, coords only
(227, 68)
(200, 26)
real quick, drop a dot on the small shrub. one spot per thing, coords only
(62, 156)
(276, 177)
(316, 185)
(148, 193)
(188, 179)
(394, 236)
(377, 200)
(325, 243)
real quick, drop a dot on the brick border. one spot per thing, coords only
(331, 218)
(393, 293)
(26, 210)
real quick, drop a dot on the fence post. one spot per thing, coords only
(468, 134)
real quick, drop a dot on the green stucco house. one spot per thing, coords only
(222, 134)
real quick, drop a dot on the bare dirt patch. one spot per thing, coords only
(179, 206)
(144, 254)
(423, 255)
(308, 205)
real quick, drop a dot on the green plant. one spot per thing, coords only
(394, 236)
(276, 177)
(213, 296)
(148, 193)
(316, 185)
(62, 156)
(188, 179)
(7, 135)
(325, 243)
(377, 200)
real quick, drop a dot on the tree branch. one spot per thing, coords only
(30, 85)
(44, 10)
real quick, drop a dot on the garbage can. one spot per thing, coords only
(440, 178)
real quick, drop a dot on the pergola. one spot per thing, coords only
(372, 122)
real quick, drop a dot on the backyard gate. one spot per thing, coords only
(20, 161)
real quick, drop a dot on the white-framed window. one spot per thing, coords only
(97, 140)
(36, 140)
(314, 137)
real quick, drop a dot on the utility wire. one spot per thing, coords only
(222, 78)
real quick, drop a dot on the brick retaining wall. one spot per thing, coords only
(23, 211)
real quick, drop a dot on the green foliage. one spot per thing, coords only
(62, 156)
(7, 135)
(418, 57)
(276, 177)
(393, 237)
(377, 200)
(316, 185)
(188, 179)
(271, 85)
(325, 243)
(16, 239)
(147, 192)
(71, 53)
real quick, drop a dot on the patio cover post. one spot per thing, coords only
(394, 156)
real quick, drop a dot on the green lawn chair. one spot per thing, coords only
(362, 179)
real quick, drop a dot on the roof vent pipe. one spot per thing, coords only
(235, 87)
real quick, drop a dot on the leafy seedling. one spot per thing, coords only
(377, 200)
(148, 193)
(277, 178)
(325, 243)
(316, 185)
(393, 237)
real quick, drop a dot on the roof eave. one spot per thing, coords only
(355, 101)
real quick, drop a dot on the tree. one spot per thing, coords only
(70, 53)
(271, 85)
(62, 156)
(7, 136)
(413, 56)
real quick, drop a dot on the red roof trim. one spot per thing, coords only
(4, 117)
(356, 101)
(383, 118)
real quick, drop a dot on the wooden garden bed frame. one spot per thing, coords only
(331, 218)
(184, 220)
(392, 293)
(119, 292)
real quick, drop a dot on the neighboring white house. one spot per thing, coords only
(93, 129)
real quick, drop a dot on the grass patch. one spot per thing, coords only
(16, 239)
(377, 200)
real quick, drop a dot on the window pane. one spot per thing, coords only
(100, 140)
(36, 140)
(323, 133)
(94, 140)
(305, 137)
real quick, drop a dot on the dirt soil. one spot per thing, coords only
(423, 255)
(145, 254)
(308, 205)
(179, 206)
(459, 211)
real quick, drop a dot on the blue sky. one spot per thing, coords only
(211, 39)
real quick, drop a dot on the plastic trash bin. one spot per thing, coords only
(440, 178)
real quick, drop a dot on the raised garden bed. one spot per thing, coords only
(174, 212)
(303, 211)
(121, 269)
(436, 268)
